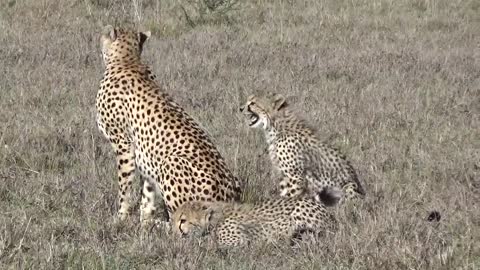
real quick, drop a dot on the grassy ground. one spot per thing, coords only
(394, 84)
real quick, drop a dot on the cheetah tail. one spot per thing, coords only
(330, 196)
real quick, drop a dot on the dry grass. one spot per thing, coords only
(394, 84)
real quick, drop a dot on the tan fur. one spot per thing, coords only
(150, 133)
(306, 165)
(234, 224)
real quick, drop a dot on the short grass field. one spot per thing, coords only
(395, 85)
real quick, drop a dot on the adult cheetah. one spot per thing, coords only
(150, 132)
(237, 224)
(306, 164)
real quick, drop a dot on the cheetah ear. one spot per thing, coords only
(143, 36)
(279, 102)
(209, 212)
(109, 31)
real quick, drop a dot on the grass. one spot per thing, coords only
(394, 84)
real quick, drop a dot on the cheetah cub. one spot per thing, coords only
(306, 165)
(237, 224)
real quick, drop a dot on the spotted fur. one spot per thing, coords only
(306, 165)
(235, 224)
(150, 133)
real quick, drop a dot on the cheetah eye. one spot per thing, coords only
(182, 221)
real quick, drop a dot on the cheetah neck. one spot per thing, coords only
(121, 59)
(220, 213)
(271, 135)
(136, 67)
(287, 123)
(126, 65)
(287, 120)
(224, 210)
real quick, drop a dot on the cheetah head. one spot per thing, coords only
(260, 111)
(120, 43)
(192, 218)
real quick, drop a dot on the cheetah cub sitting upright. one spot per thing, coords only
(306, 164)
(236, 224)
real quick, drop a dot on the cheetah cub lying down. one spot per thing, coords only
(306, 165)
(237, 224)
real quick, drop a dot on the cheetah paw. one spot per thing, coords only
(163, 225)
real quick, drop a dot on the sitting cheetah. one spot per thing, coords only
(150, 132)
(306, 164)
(235, 224)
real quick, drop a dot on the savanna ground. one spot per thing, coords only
(394, 84)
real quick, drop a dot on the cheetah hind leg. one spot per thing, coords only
(231, 235)
(299, 236)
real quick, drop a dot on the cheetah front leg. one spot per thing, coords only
(293, 182)
(125, 153)
(152, 190)
(147, 207)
